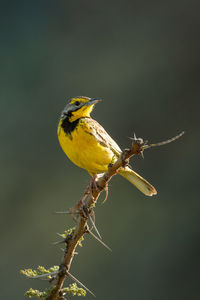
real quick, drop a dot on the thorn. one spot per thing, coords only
(133, 138)
(100, 241)
(92, 220)
(44, 275)
(95, 228)
(142, 154)
(60, 235)
(59, 242)
(64, 212)
(92, 214)
(81, 284)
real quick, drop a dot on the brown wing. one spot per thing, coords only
(101, 135)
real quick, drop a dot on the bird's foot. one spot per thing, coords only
(93, 185)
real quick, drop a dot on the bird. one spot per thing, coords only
(89, 146)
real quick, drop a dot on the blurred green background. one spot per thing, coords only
(142, 59)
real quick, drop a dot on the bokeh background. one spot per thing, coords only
(142, 59)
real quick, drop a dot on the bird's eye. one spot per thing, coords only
(77, 103)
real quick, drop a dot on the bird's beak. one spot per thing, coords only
(93, 101)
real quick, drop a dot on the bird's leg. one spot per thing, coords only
(80, 206)
(106, 184)
(93, 185)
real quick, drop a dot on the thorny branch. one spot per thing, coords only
(86, 212)
(93, 194)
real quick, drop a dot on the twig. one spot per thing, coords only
(164, 142)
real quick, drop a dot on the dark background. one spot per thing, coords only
(142, 59)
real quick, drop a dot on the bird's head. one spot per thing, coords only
(79, 107)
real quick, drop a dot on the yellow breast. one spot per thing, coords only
(84, 149)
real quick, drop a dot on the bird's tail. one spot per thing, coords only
(143, 185)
